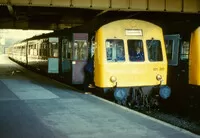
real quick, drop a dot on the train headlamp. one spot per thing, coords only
(159, 77)
(113, 79)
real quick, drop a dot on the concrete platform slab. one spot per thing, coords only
(26, 90)
(6, 93)
(47, 109)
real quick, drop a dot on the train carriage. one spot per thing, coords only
(18, 52)
(129, 58)
(60, 54)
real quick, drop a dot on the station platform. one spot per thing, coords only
(34, 106)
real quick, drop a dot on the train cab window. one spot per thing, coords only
(135, 50)
(154, 50)
(115, 50)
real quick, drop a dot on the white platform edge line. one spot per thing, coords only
(149, 117)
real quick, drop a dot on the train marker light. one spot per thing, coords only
(113, 79)
(159, 77)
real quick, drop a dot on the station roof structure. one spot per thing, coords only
(59, 14)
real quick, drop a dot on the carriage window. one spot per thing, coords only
(154, 50)
(23, 50)
(64, 48)
(35, 50)
(135, 50)
(92, 47)
(184, 50)
(69, 50)
(50, 50)
(30, 49)
(44, 49)
(54, 48)
(169, 48)
(80, 50)
(115, 50)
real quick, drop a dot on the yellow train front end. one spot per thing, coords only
(130, 54)
(194, 58)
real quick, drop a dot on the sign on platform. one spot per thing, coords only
(53, 65)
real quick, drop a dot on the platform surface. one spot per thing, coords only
(34, 106)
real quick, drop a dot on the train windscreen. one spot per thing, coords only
(135, 50)
(115, 50)
(154, 50)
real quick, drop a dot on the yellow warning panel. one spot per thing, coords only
(194, 58)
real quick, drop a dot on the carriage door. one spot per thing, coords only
(53, 59)
(66, 56)
(80, 56)
(172, 43)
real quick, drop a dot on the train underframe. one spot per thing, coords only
(144, 97)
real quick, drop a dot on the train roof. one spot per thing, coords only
(90, 27)
(78, 29)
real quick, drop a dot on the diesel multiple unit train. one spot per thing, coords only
(130, 58)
